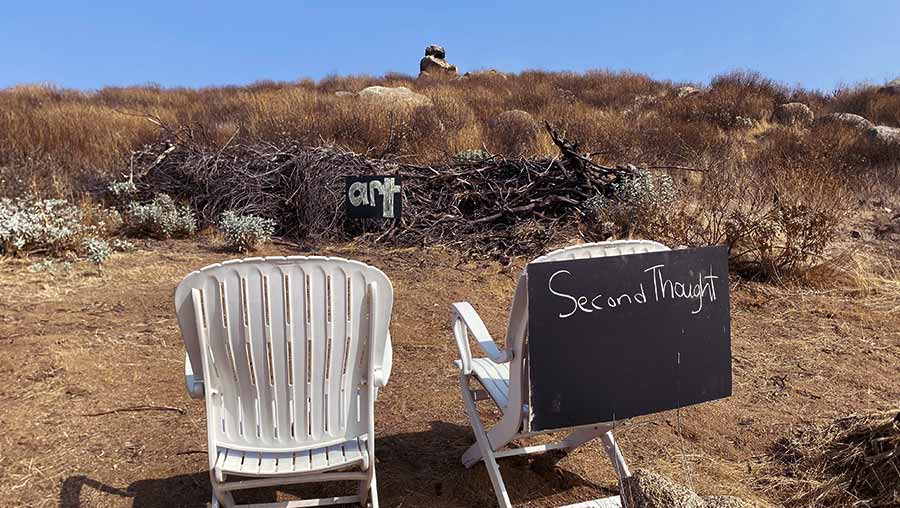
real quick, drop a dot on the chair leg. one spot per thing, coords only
(220, 497)
(615, 455)
(484, 444)
(374, 489)
(368, 485)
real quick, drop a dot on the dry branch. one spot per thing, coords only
(135, 409)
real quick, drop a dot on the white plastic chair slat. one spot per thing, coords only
(339, 305)
(237, 339)
(233, 460)
(295, 312)
(251, 462)
(221, 454)
(352, 450)
(318, 458)
(223, 342)
(318, 341)
(254, 323)
(359, 326)
(335, 455)
(276, 347)
(495, 381)
(268, 463)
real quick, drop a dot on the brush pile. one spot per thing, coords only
(489, 205)
(853, 461)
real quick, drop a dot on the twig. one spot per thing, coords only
(133, 409)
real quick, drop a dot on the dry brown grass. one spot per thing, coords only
(62, 142)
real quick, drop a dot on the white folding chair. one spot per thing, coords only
(503, 376)
(291, 351)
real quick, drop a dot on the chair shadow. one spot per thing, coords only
(414, 469)
(183, 491)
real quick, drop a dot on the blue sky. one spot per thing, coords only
(818, 44)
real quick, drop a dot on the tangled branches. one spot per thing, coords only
(494, 205)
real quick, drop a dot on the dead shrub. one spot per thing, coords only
(513, 132)
(774, 223)
(731, 101)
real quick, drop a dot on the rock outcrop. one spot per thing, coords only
(433, 64)
(849, 119)
(885, 134)
(394, 96)
(794, 113)
(685, 91)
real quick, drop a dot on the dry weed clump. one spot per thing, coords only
(852, 461)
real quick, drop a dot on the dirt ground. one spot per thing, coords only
(77, 345)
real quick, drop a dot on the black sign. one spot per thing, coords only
(373, 197)
(615, 337)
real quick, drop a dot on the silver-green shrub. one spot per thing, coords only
(641, 202)
(160, 218)
(244, 233)
(96, 250)
(120, 245)
(122, 191)
(48, 226)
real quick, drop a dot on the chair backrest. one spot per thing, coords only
(284, 347)
(517, 331)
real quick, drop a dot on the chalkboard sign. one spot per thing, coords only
(373, 197)
(615, 337)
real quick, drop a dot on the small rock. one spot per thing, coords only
(489, 73)
(686, 91)
(885, 134)
(645, 489)
(344, 93)
(794, 113)
(891, 87)
(851, 120)
(741, 122)
(395, 96)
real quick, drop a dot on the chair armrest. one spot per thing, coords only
(464, 321)
(193, 383)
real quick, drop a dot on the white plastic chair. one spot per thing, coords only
(503, 377)
(291, 350)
